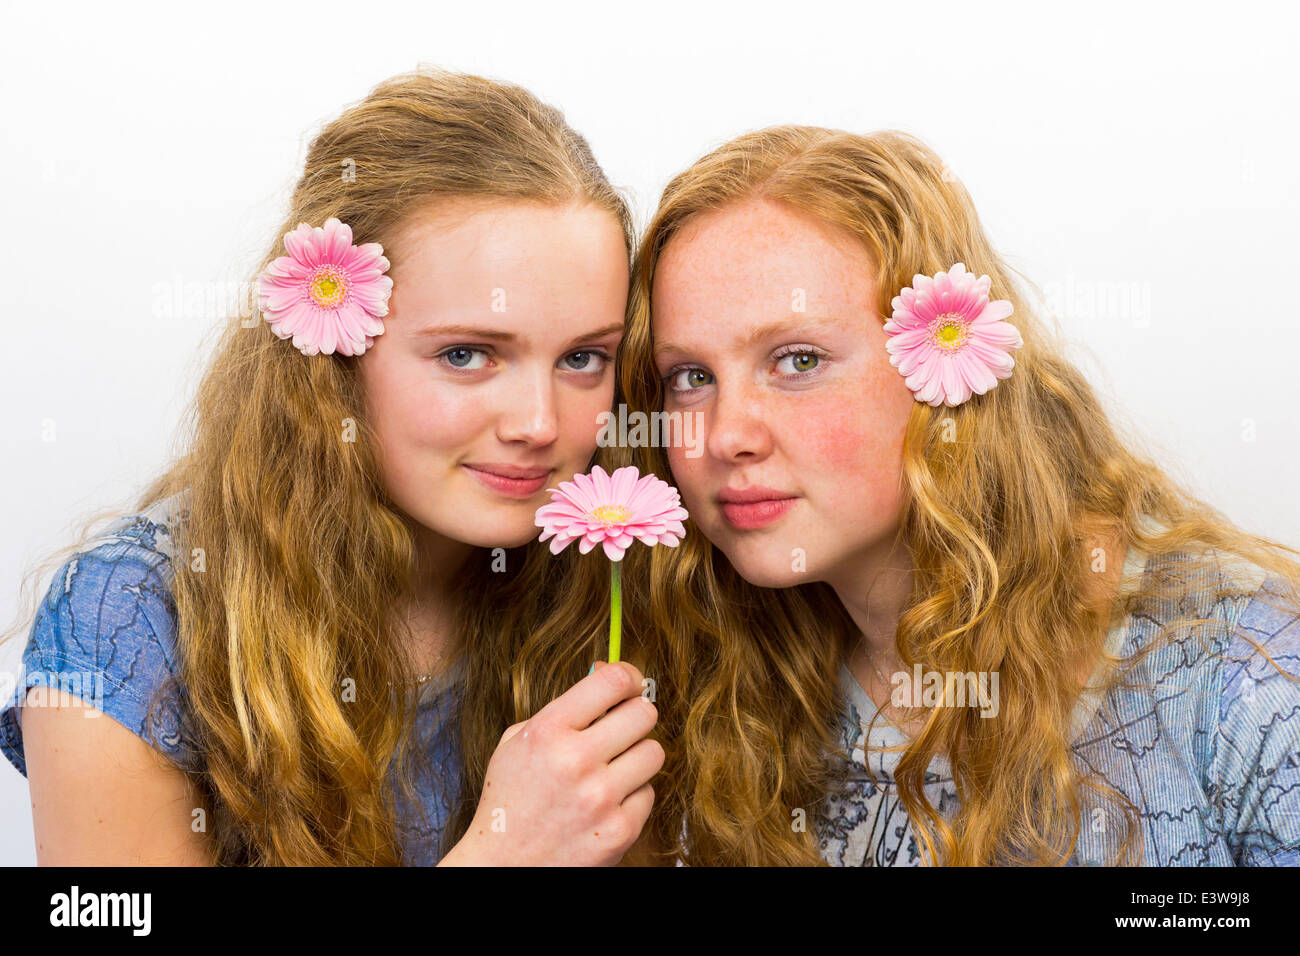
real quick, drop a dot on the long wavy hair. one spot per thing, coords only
(1007, 500)
(306, 560)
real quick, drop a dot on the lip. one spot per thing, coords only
(513, 481)
(755, 507)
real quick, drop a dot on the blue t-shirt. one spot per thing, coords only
(1207, 745)
(105, 633)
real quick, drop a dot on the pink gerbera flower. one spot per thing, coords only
(612, 511)
(948, 339)
(327, 293)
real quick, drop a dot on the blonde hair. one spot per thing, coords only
(1001, 523)
(306, 557)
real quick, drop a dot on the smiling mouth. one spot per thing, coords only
(511, 481)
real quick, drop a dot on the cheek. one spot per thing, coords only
(577, 420)
(440, 418)
(856, 438)
(413, 412)
(837, 440)
(690, 475)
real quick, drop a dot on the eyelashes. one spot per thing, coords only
(445, 357)
(793, 363)
(467, 358)
(601, 360)
(683, 371)
(799, 351)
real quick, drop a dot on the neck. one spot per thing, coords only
(874, 588)
(428, 608)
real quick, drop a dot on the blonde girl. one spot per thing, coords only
(323, 632)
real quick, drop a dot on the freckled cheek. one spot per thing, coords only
(835, 444)
(690, 475)
(853, 446)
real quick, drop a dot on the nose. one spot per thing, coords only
(737, 431)
(529, 413)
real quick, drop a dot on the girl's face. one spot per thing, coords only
(765, 324)
(496, 358)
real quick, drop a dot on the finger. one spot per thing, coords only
(596, 693)
(636, 766)
(637, 807)
(511, 731)
(622, 727)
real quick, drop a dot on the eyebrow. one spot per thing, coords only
(473, 331)
(817, 323)
(500, 335)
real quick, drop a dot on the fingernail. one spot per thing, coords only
(592, 670)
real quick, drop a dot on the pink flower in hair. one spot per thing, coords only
(612, 511)
(948, 339)
(327, 293)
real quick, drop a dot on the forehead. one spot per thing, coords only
(757, 258)
(488, 234)
(509, 262)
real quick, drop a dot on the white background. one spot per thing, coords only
(1137, 162)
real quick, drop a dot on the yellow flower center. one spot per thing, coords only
(949, 332)
(327, 287)
(611, 514)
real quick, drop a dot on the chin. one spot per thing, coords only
(770, 570)
(497, 536)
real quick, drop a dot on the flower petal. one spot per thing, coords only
(1002, 334)
(976, 372)
(994, 311)
(622, 484)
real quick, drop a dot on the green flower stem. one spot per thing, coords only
(615, 610)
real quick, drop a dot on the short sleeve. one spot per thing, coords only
(1254, 778)
(104, 633)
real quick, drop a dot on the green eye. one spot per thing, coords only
(798, 362)
(691, 378)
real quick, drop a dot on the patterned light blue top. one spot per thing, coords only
(1208, 751)
(105, 633)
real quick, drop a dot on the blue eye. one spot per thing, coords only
(687, 379)
(582, 361)
(461, 358)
